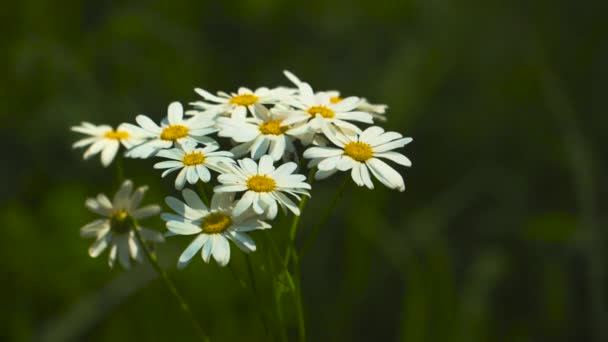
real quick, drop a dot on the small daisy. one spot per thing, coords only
(333, 96)
(314, 109)
(193, 162)
(360, 153)
(173, 130)
(117, 230)
(214, 226)
(106, 140)
(262, 134)
(378, 111)
(236, 104)
(264, 186)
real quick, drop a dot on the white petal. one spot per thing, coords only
(394, 156)
(392, 145)
(109, 152)
(99, 245)
(265, 165)
(194, 201)
(122, 197)
(176, 112)
(183, 228)
(183, 209)
(221, 250)
(385, 174)
(180, 180)
(147, 211)
(242, 241)
(244, 203)
(191, 250)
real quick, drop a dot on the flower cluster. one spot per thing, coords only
(255, 142)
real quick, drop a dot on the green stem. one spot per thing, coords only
(180, 299)
(310, 239)
(296, 284)
(276, 294)
(254, 288)
(120, 171)
(203, 192)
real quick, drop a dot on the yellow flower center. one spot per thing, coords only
(272, 127)
(335, 99)
(194, 158)
(174, 132)
(216, 223)
(121, 222)
(244, 100)
(261, 183)
(117, 135)
(321, 110)
(359, 151)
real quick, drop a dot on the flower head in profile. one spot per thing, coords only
(236, 105)
(105, 139)
(264, 186)
(262, 134)
(362, 154)
(193, 163)
(213, 226)
(314, 110)
(174, 130)
(116, 229)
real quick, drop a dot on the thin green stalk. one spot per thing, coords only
(120, 174)
(291, 251)
(203, 192)
(310, 239)
(167, 281)
(276, 294)
(296, 283)
(120, 171)
(256, 295)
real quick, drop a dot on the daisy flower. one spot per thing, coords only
(173, 130)
(263, 185)
(236, 104)
(333, 96)
(116, 230)
(264, 133)
(193, 162)
(105, 139)
(378, 111)
(212, 226)
(361, 153)
(314, 109)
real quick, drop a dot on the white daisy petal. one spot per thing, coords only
(385, 174)
(221, 250)
(191, 250)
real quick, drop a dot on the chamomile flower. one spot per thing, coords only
(361, 154)
(333, 96)
(263, 133)
(264, 186)
(378, 111)
(235, 105)
(106, 140)
(173, 130)
(314, 110)
(116, 230)
(212, 226)
(193, 162)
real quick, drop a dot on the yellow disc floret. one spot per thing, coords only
(117, 135)
(359, 151)
(321, 110)
(194, 158)
(174, 132)
(335, 99)
(121, 222)
(244, 100)
(216, 223)
(261, 183)
(272, 127)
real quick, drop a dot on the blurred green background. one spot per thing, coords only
(498, 237)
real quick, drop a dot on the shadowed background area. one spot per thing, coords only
(500, 232)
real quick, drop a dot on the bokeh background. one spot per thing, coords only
(500, 235)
